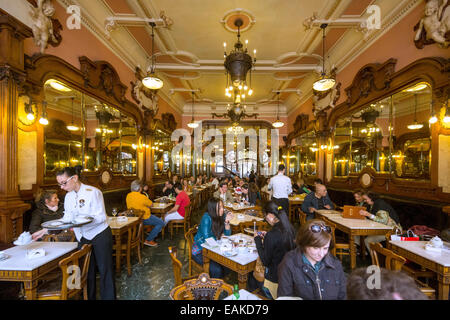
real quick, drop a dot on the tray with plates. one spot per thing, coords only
(61, 225)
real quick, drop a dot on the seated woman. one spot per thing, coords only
(199, 181)
(186, 186)
(310, 271)
(212, 225)
(248, 195)
(299, 187)
(48, 208)
(378, 211)
(279, 240)
(145, 190)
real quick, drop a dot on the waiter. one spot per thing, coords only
(281, 187)
(82, 199)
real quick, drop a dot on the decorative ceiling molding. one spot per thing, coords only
(247, 17)
(131, 20)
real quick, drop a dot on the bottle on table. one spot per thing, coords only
(235, 295)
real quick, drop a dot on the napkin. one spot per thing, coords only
(211, 242)
(35, 253)
(24, 238)
(122, 219)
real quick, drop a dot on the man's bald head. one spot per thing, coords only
(321, 190)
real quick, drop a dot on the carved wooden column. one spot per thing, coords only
(12, 77)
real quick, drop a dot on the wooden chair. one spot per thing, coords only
(189, 236)
(203, 288)
(341, 247)
(133, 241)
(395, 262)
(301, 217)
(58, 289)
(64, 236)
(176, 264)
(181, 223)
(260, 225)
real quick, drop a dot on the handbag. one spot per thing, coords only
(258, 273)
(196, 249)
(409, 236)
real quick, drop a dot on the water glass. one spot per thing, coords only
(114, 212)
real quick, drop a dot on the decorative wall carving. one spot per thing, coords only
(372, 77)
(102, 75)
(45, 29)
(434, 27)
(146, 98)
(325, 100)
(168, 121)
(301, 122)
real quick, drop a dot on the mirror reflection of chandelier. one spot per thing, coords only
(237, 63)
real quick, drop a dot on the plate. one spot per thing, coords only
(55, 223)
(230, 253)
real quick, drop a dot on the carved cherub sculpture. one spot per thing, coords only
(42, 24)
(436, 22)
(147, 99)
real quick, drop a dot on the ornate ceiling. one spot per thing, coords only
(189, 53)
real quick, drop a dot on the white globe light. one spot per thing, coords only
(153, 83)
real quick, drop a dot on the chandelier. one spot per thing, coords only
(325, 82)
(151, 81)
(237, 63)
(192, 124)
(415, 125)
(235, 113)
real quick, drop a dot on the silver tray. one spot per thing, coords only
(60, 225)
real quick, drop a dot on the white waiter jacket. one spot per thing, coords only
(280, 185)
(87, 201)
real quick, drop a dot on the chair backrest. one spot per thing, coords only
(65, 236)
(132, 212)
(333, 236)
(189, 236)
(203, 288)
(260, 225)
(76, 267)
(392, 260)
(135, 234)
(176, 264)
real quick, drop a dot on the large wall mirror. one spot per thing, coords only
(391, 135)
(162, 146)
(307, 146)
(84, 131)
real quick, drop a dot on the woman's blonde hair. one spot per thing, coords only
(307, 238)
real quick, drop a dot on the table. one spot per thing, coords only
(159, 208)
(243, 264)
(295, 202)
(354, 227)
(436, 262)
(20, 269)
(118, 229)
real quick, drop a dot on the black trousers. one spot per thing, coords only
(102, 259)
(284, 202)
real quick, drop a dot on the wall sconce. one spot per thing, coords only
(29, 111)
(43, 120)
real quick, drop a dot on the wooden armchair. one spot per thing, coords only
(341, 247)
(203, 288)
(59, 289)
(260, 226)
(176, 264)
(189, 236)
(133, 241)
(395, 262)
(181, 223)
(64, 236)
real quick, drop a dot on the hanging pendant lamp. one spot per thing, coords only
(72, 126)
(192, 124)
(415, 125)
(151, 81)
(278, 123)
(325, 82)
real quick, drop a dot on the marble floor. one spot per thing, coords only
(154, 279)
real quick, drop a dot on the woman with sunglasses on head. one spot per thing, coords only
(214, 224)
(310, 271)
(86, 200)
(279, 240)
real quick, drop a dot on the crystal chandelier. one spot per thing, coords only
(237, 63)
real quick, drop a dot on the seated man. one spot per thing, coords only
(179, 209)
(299, 187)
(248, 195)
(223, 193)
(136, 200)
(316, 201)
(168, 189)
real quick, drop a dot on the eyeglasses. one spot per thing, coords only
(316, 228)
(65, 182)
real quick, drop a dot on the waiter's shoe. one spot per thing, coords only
(150, 243)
